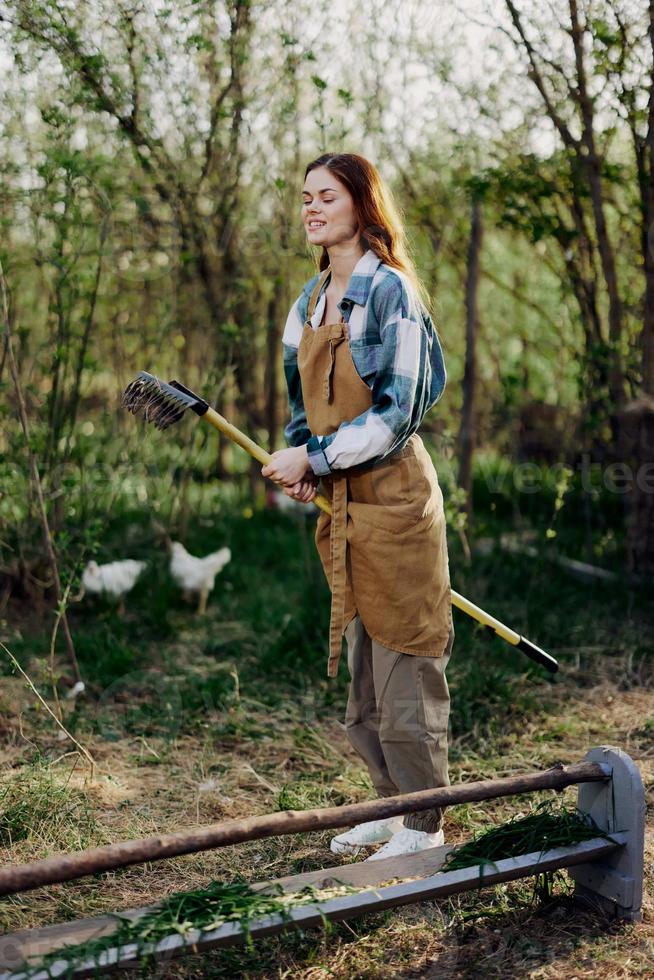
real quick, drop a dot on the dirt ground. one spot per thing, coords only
(259, 763)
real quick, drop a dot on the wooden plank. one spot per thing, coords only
(68, 867)
(17, 946)
(364, 873)
(348, 906)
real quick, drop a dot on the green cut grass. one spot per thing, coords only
(203, 909)
(547, 827)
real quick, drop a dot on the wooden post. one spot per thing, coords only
(616, 881)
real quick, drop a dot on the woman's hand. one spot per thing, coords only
(305, 490)
(287, 466)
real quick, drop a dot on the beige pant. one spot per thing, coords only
(396, 718)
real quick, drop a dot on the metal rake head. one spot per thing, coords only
(160, 402)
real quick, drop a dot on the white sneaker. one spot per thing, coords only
(407, 841)
(364, 834)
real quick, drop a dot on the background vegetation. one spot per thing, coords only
(152, 159)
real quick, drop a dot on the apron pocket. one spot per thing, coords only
(395, 519)
(395, 496)
(401, 584)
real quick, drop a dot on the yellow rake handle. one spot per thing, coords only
(250, 446)
(526, 646)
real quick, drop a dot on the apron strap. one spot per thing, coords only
(338, 547)
(338, 528)
(334, 341)
(316, 291)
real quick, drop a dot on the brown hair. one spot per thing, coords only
(380, 218)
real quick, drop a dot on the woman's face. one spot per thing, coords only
(328, 209)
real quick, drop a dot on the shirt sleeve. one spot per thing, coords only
(297, 431)
(403, 388)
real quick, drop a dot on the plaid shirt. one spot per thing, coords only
(396, 352)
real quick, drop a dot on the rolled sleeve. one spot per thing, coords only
(317, 459)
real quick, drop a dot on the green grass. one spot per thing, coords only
(241, 696)
(52, 815)
(309, 792)
(161, 669)
(549, 825)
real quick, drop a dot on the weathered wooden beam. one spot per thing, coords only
(364, 874)
(66, 867)
(345, 907)
(24, 944)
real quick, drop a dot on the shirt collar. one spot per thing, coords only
(358, 287)
(361, 278)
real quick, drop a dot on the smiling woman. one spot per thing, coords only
(363, 364)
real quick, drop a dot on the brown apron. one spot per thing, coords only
(384, 549)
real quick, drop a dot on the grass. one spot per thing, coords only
(36, 806)
(202, 910)
(547, 827)
(194, 720)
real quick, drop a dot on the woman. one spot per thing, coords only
(363, 365)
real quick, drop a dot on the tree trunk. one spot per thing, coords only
(273, 355)
(637, 452)
(591, 161)
(467, 430)
(647, 195)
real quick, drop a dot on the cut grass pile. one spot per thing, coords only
(181, 914)
(547, 827)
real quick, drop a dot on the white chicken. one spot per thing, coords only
(114, 579)
(196, 574)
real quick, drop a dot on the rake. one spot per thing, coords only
(163, 404)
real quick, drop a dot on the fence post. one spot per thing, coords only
(616, 881)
